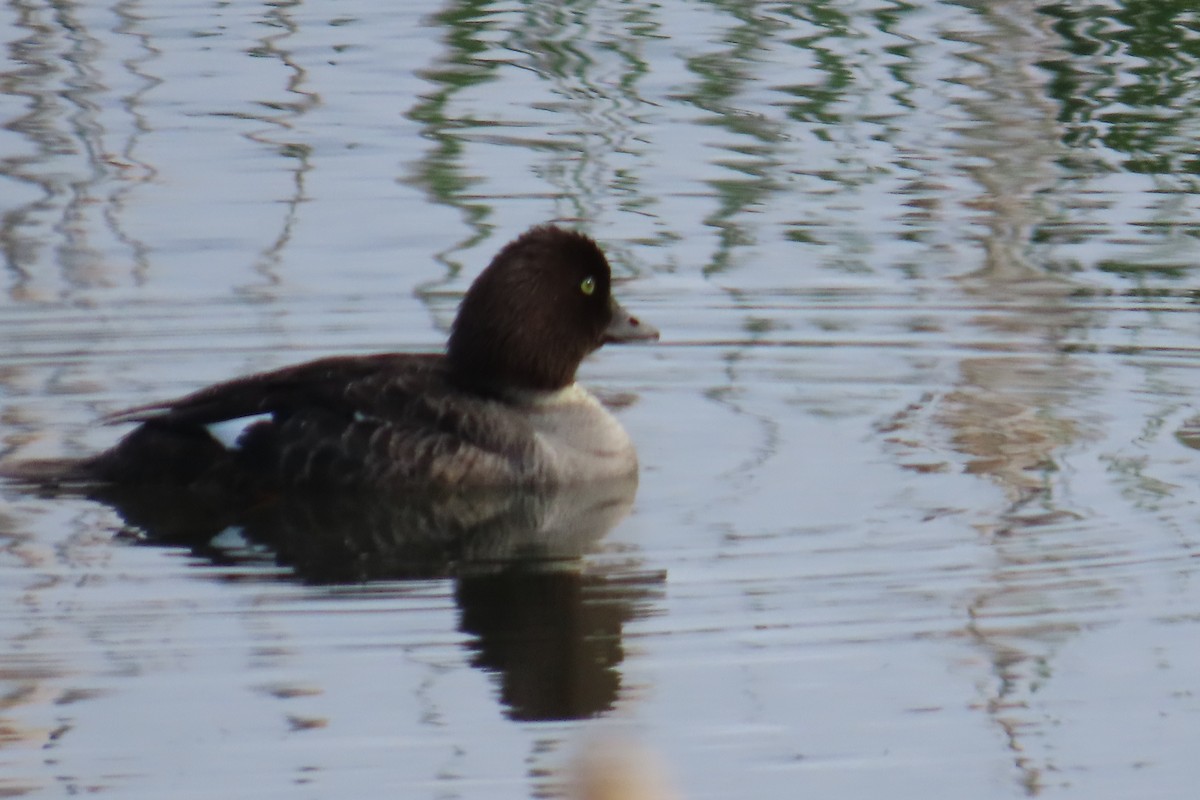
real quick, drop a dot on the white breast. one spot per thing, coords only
(581, 441)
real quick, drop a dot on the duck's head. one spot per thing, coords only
(542, 305)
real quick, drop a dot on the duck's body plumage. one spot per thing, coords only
(386, 420)
(382, 420)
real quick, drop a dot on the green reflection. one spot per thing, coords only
(589, 54)
(1129, 81)
(722, 75)
(440, 171)
(814, 102)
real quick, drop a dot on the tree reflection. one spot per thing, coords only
(1127, 79)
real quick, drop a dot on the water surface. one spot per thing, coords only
(919, 446)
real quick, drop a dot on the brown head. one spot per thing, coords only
(542, 305)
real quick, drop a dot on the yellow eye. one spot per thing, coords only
(588, 285)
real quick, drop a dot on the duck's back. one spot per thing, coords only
(393, 420)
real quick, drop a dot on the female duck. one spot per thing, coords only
(499, 408)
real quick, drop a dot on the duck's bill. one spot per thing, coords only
(625, 327)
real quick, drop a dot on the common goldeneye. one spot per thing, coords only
(499, 408)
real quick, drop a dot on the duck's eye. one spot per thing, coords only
(588, 285)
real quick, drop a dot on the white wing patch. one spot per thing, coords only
(231, 538)
(229, 432)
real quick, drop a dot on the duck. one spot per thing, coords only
(500, 407)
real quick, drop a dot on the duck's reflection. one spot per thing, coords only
(549, 628)
(552, 636)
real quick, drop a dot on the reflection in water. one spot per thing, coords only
(549, 628)
(552, 636)
(133, 169)
(23, 681)
(440, 172)
(752, 161)
(1124, 78)
(354, 537)
(459, 67)
(1146, 117)
(72, 175)
(1006, 416)
(590, 57)
(38, 683)
(276, 15)
(1010, 415)
(60, 84)
(92, 106)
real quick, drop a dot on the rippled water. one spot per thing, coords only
(917, 510)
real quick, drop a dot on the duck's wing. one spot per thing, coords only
(330, 384)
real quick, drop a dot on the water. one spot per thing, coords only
(916, 513)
